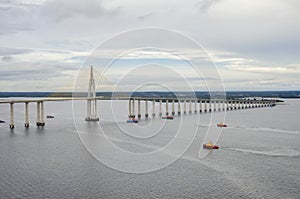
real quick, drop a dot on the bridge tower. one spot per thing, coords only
(91, 101)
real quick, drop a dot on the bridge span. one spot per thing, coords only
(184, 105)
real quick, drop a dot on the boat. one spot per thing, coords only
(168, 117)
(221, 124)
(2, 121)
(209, 145)
(49, 116)
(132, 120)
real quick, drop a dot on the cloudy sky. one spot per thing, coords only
(248, 44)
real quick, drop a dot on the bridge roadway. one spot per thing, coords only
(201, 105)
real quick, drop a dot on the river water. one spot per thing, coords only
(259, 155)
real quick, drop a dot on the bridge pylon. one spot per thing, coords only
(91, 101)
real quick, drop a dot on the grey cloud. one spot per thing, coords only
(16, 16)
(204, 5)
(58, 10)
(13, 51)
(7, 58)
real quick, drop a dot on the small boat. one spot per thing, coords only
(49, 116)
(209, 145)
(168, 117)
(2, 121)
(132, 120)
(221, 124)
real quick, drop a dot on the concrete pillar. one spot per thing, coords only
(153, 108)
(12, 123)
(133, 110)
(88, 108)
(139, 108)
(209, 105)
(205, 106)
(179, 108)
(173, 107)
(195, 106)
(95, 108)
(184, 106)
(227, 104)
(129, 108)
(167, 108)
(190, 106)
(160, 111)
(219, 105)
(42, 114)
(200, 106)
(215, 105)
(146, 109)
(26, 115)
(38, 114)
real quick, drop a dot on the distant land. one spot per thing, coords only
(199, 94)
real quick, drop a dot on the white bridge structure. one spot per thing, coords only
(196, 105)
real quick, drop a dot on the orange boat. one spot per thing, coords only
(221, 124)
(209, 145)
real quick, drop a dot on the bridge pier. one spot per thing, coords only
(146, 109)
(38, 114)
(179, 109)
(167, 108)
(139, 109)
(160, 109)
(12, 123)
(200, 106)
(184, 106)
(209, 105)
(215, 105)
(131, 108)
(153, 108)
(42, 114)
(26, 115)
(190, 106)
(195, 106)
(173, 107)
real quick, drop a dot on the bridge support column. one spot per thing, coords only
(38, 113)
(146, 109)
(153, 108)
(139, 108)
(179, 109)
(42, 114)
(160, 111)
(184, 107)
(205, 106)
(26, 115)
(12, 123)
(173, 108)
(190, 106)
(133, 108)
(195, 106)
(200, 106)
(167, 108)
(215, 105)
(209, 105)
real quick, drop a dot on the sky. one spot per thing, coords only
(48, 45)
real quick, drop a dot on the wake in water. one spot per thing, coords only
(278, 152)
(265, 129)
